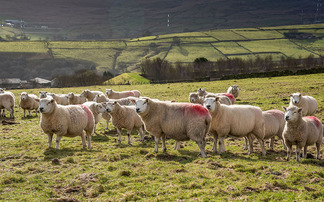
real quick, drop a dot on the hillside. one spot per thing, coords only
(29, 59)
(109, 19)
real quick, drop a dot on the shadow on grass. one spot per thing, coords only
(29, 117)
(51, 153)
(99, 138)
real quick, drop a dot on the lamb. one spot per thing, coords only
(234, 90)
(69, 121)
(90, 95)
(301, 131)
(97, 109)
(3, 90)
(117, 95)
(28, 102)
(178, 121)
(7, 101)
(308, 103)
(274, 124)
(235, 120)
(74, 99)
(61, 99)
(125, 117)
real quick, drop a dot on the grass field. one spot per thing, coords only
(122, 172)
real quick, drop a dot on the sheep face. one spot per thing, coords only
(23, 96)
(210, 103)
(70, 95)
(141, 105)
(193, 98)
(108, 91)
(46, 105)
(292, 113)
(84, 93)
(2, 90)
(295, 98)
(42, 94)
(99, 108)
(110, 106)
(201, 91)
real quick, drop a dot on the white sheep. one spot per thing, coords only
(42, 94)
(61, 99)
(274, 123)
(178, 121)
(308, 103)
(74, 99)
(90, 95)
(97, 109)
(195, 98)
(301, 131)
(3, 90)
(7, 101)
(223, 99)
(117, 95)
(234, 120)
(125, 117)
(69, 121)
(28, 102)
(203, 93)
(101, 98)
(234, 90)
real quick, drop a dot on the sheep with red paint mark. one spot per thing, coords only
(28, 102)
(203, 93)
(195, 98)
(233, 90)
(178, 121)
(97, 110)
(118, 95)
(125, 117)
(234, 120)
(68, 121)
(223, 99)
(74, 99)
(90, 95)
(302, 132)
(308, 103)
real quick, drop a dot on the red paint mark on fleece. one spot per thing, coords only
(130, 93)
(316, 120)
(196, 108)
(85, 108)
(230, 96)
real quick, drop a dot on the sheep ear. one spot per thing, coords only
(300, 110)
(203, 89)
(133, 101)
(284, 108)
(199, 88)
(115, 102)
(216, 99)
(146, 100)
(290, 95)
(52, 100)
(104, 104)
(300, 95)
(173, 101)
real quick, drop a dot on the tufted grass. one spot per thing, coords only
(120, 172)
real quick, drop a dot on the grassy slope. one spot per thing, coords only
(131, 78)
(112, 171)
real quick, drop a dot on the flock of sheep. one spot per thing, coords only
(206, 113)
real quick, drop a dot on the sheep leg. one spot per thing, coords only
(119, 134)
(201, 145)
(58, 139)
(250, 144)
(271, 143)
(289, 148)
(177, 145)
(50, 137)
(107, 123)
(29, 113)
(215, 143)
(163, 144)
(284, 145)
(84, 145)
(141, 133)
(304, 153)
(246, 143)
(298, 149)
(318, 147)
(12, 113)
(129, 139)
(157, 140)
(221, 148)
(24, 113)
(264, 152)
(89, 139)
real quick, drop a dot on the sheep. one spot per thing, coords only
(178, 121)
(301, 131)
(74, 99)
(28, 102)
(235, 120)
(274, 123)
(234, 90)
(3, 90)
(69, 121)
(100, 98)
(223, 99)
(61, 99)
(7, 101)
(136, 93)
(195, 98)
(117, 95)
(97, 109)
(203, 93)
(308, 103)
(43, 94)
(90, 95)
(125, 117)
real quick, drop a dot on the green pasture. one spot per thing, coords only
(129, 78)
(121, 172)
(269, 34)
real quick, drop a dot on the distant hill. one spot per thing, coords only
(114, 19)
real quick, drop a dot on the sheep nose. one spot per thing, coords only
(137, 110)
(208, 106)
(41, 109)
(287, 118)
